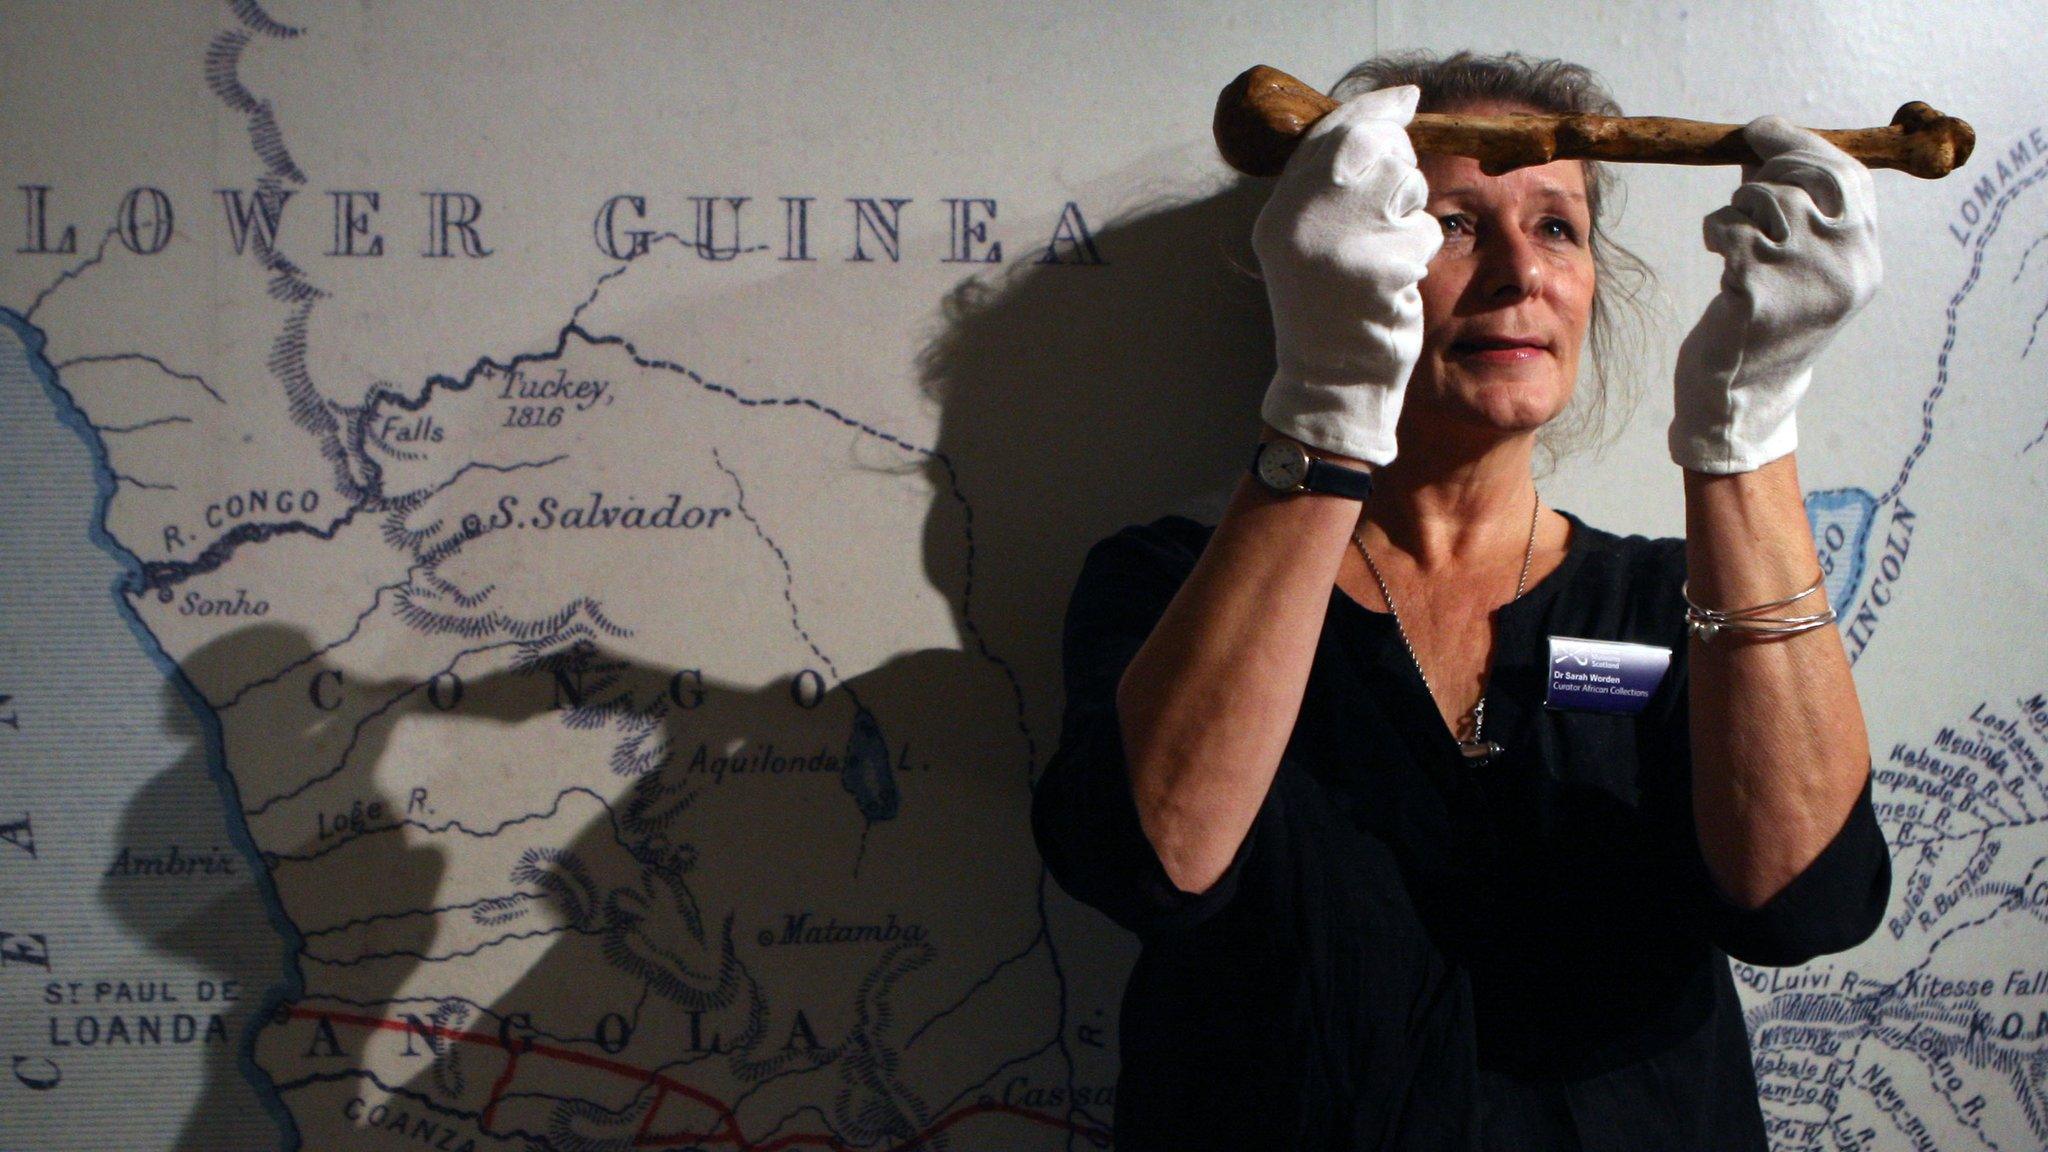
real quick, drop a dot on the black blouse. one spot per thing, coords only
(1412, 952)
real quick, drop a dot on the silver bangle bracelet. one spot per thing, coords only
(1707, 627)
(1685, 590)
(1705, 623)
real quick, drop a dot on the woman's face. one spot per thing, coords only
(1507, 300)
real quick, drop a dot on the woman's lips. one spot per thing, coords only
(1499, 349)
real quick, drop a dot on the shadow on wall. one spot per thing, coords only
(1074, 401)
(218, 928)
(577, 970)
(657, 923)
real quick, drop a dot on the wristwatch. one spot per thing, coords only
(1285, 466)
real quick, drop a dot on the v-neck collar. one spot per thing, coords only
(1516, 660)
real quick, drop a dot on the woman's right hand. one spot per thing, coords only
(1342, 243)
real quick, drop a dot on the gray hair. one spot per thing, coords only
(1622, 281)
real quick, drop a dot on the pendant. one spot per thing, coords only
(1477, 751)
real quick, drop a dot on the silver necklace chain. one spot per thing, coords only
(1478, 749)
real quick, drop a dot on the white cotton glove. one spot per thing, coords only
(1341, 243)
(1799, 241)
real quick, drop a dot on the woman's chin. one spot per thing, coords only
(1502, 408)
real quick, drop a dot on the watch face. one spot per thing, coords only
(1282, 464)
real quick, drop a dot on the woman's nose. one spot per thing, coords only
(1511, 268)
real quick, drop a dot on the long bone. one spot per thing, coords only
(1261, 115)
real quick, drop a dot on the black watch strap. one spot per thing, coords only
(1337, 480)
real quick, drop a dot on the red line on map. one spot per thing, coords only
(728, 1131)
(647, 1121)
(503, 1082)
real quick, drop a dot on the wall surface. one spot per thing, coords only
(535, 539)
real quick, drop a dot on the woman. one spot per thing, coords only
(1409, 871)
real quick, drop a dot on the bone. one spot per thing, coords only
(1261, 115)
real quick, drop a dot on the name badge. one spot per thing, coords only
(1604, 675)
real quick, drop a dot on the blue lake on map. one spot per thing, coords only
(1841, 519)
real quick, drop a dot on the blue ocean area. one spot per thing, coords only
(113, 751)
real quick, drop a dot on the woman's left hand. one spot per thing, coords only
(1799, 241)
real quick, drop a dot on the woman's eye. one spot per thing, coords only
(1557, 229)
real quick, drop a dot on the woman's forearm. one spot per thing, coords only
(1208, 703)
(1780, 752)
